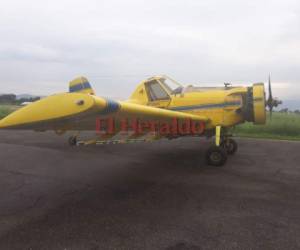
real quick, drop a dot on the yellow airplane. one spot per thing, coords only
(158, 98)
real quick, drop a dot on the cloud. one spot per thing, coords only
(116, 44)
(28, 52)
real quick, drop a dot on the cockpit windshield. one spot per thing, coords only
(172, 86)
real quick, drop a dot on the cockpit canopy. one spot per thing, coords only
(161, 87)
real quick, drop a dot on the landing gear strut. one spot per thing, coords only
(74, 139)
(217, 154)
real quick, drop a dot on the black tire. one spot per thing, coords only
(216, 156)
(72, 141)
(230, 146)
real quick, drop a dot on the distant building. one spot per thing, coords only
(25, 103)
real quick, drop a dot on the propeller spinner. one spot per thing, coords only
(272, 102)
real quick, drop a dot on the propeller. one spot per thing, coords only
(272, 102)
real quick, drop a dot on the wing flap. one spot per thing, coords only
(152, 112)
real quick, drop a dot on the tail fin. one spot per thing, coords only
(82, 85)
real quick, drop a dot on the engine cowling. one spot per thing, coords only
(259, 104)
(254, 109)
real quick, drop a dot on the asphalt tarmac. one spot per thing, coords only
(158, 195)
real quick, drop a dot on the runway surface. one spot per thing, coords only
(157, 195)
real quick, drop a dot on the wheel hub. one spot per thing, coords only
(215, 156)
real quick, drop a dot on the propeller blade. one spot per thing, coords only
(272, 102)
(270, 99)
(270, 88)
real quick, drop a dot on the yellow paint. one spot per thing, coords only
(53, 107)
(218, 135)
(225, 116)
(217, 107)
(259, 103)
(80, 81)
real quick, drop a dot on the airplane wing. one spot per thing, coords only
(79, 111)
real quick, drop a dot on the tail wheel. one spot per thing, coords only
(216, 156)
(230, 146)
(72, 140)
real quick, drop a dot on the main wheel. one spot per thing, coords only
(230, 146)
(72, 140)
(216, 156)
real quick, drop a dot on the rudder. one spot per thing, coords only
(82, 85)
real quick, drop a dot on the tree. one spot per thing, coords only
(31, 99)
(8, 99)
(284, 110)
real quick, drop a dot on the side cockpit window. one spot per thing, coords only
(156, 91)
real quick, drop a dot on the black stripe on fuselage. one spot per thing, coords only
(206, 106)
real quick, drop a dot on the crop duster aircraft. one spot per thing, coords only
(157, 98)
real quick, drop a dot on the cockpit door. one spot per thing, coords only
(157, 94)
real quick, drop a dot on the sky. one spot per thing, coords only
(116, 44)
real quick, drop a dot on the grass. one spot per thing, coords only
(283, 126)
(7, 109)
